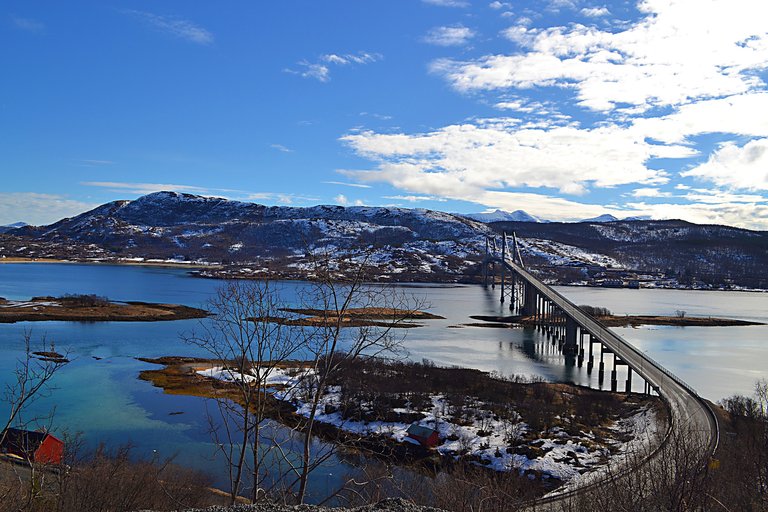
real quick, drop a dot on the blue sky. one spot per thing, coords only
(566, 109)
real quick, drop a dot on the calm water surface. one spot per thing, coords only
(99, 394)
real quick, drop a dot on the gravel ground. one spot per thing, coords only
(391, 505)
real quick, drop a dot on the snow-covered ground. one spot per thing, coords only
(26, 304)
(485, 439)
(557, 253)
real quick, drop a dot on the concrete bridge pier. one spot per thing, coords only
(581, 348)
(570, 347)
(591, 362)
(601, 369)
(614, 381)
(503, 267)
(628, 385)
(550, 320)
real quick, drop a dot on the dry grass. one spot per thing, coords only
(42, 310)
(354, 317)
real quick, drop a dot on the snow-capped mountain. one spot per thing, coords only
(678, 251)
(175, 226)
(394, 243)
(607, 217)
(8, 227)
(503, 216)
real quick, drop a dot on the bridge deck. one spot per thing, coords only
(689, 412)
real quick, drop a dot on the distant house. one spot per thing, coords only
(40, 447)
(426, 436)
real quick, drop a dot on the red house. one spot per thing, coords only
(40, 447)
(427, 437)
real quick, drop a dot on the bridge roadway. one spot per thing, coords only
(689, 413)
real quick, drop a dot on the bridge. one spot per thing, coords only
(580, 336)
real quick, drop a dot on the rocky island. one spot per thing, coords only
(92, 308)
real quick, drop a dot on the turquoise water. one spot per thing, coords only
(99, 394)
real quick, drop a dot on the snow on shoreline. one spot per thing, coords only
(485, 440)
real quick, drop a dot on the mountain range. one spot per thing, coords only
(248, 239)
(15, 225)
(522, 216)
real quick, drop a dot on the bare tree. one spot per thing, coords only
(249, 346)
(741, 480)
(31, 381)
(669, 473)
(336, 339)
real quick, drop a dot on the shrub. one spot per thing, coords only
(595, 311)
(86, 300)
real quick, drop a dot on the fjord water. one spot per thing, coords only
(100, 395)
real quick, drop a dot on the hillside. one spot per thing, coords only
(184, 227)
(249, 239)
(667, 252)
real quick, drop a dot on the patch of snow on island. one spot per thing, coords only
(485, 440)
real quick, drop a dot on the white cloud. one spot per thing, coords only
(496, 5)
(227, 193)
(649, 192)
(95, 163)
(27, 24)
(498, 156)
(739, 167)
(416, 199)
(747, 215)
(350, 58)
(380, 117)
(664, 59)
(595, 12)
(731, 114)
(342, 200)
(449, 36)
(321, 71)
(281, 148)
(276, 197)
(718, 196)
(38, 209)
(345, 184)
(148, 188)
(447, 3)
(176, 27)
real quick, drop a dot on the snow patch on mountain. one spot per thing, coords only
(601, 218)
(556, 253)
(503, 216)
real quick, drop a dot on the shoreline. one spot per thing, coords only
(118, 262)
(92, 309)
(446, 279)
(620, 321)
(525, 433)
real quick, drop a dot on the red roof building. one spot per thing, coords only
(427, 437)
(40, 447)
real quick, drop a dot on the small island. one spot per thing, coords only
(605, 317)
(92, 308)
(352, 317)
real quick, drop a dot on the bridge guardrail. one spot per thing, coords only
(609, 337)
(538, 284)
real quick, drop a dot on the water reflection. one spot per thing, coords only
(100, 395)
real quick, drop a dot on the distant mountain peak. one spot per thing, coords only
(503, 216)
(607, 217)
(10, 227)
